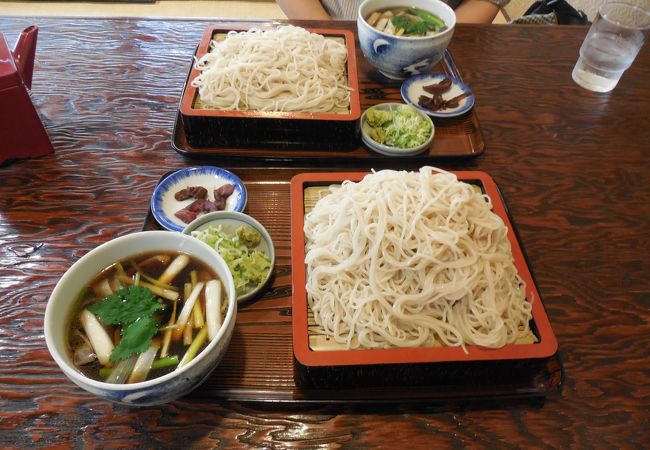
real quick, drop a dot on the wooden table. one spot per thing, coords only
(571, 164)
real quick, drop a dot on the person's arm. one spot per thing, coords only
(476, 11)
(303, 9)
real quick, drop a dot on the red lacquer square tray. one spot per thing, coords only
(307, 356)
(207, 128)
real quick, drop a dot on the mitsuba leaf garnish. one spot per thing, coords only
(136, 338)
(132, 308)
(410, 26)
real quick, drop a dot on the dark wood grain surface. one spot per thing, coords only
(571, 164)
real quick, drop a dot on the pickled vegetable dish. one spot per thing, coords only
(401, 127)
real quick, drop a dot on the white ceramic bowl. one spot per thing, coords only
(230, 221)
(158, 390)
(400, 57)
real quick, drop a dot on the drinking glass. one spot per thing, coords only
(613, 41)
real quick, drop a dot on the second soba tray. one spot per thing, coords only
(240, 137)
(321, 361)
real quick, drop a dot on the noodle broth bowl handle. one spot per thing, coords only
(400, 57)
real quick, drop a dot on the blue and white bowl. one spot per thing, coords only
(159, 390)
(400, 57)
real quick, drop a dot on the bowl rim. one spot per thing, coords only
(79, 377)
(249, 220)
(442, 4)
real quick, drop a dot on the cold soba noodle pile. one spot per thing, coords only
(408, 259)
(286, 69)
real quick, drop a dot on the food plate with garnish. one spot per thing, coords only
(396, 129)
(191, 192)
(243, 243)
(438, 95)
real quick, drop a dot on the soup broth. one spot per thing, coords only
(406, 21)
(144, 317)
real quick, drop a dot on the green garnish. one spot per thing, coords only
(435, 21)
(249, 236)
(167, 361)
(249, 266)
(403, 127)
(132, 308)
(378, 117)
(410, 24)
(136, 338)
(418, 22)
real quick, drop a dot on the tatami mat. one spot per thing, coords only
(262, 9)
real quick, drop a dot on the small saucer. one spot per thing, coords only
(412, 89)
(388, 150)
(164, 206)
(229, 221)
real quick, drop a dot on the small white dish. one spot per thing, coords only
(412, 89)
(387, 149)
(164, 206)
(230, 221)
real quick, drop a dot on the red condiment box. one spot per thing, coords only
(22, 134)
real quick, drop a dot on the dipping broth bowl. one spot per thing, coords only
(166, 388)
(399, 57)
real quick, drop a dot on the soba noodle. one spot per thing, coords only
(286, 69)
(412, 259)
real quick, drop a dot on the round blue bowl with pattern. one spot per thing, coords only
(62, 303)
(400, 57)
